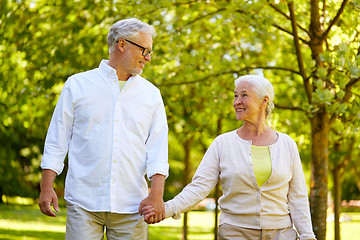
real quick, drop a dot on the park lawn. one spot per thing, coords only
(26, 222)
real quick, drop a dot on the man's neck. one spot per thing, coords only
(122, 76)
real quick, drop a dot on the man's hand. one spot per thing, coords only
(155, 200)
(157, 208)
(47, 194)
(47, 198)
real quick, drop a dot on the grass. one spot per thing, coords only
(27, 222)
(349, 230)
(200, 226)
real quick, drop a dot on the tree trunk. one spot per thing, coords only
(186, 178)
(185, 226)
(217, 190)
(337, 201)
(319, 171)
(337, 171)
(320, 125)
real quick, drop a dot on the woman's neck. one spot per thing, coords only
(259, 134)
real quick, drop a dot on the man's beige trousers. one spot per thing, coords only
(81, 224)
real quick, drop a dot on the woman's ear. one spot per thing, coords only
(265, 100)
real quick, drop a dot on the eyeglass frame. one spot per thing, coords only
(143, 48)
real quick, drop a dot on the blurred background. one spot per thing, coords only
(309, 50)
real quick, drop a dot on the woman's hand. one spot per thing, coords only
(149, 215)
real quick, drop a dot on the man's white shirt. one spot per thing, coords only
(112, 137)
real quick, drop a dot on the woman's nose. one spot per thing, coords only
(237, 101)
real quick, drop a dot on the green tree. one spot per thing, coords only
(308, 49)
(42, 43)
(311, 46)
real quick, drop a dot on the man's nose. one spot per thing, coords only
(148, 57)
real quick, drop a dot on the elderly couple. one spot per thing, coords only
(112, 124)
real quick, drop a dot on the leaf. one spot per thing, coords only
(341, 94)
(354, 70)
(343, 48)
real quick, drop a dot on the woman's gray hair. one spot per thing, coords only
(127, 28)
(262, 87)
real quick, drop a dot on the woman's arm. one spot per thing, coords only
(298, 200)
(204, 180)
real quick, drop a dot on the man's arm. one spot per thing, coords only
(155, 198)
(47, 194)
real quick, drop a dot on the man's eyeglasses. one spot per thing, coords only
(145, 51)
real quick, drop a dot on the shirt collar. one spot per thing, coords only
(108, 71)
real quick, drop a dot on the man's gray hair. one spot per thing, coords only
(262, 87)
(127, 28)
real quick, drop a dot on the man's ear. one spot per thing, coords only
(121, 44)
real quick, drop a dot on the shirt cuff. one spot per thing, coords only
(171, 210)
(56, 166)
(162, 169)
(307, 236)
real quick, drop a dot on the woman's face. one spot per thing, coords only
(247, 105)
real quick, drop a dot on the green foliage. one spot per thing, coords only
(201, 47)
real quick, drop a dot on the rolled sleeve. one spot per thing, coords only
(59, 132)
(52, 164)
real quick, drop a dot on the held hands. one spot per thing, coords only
(149, 215)
(154, 201)
(153, 209)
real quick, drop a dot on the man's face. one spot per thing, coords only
(134, 61)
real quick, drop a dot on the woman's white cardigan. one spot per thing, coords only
(281, 201)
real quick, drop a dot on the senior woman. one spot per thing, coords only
(263, 184)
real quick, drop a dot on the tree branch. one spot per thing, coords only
(204, 16)
(195, 81)
(289, 107)
(184, 3)
(284, 30)
(348, 87)
(335, 19)
(286, 16)
(298, 52)
(348, 95)
(227, 72)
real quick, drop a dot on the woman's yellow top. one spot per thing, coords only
(262, 163)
